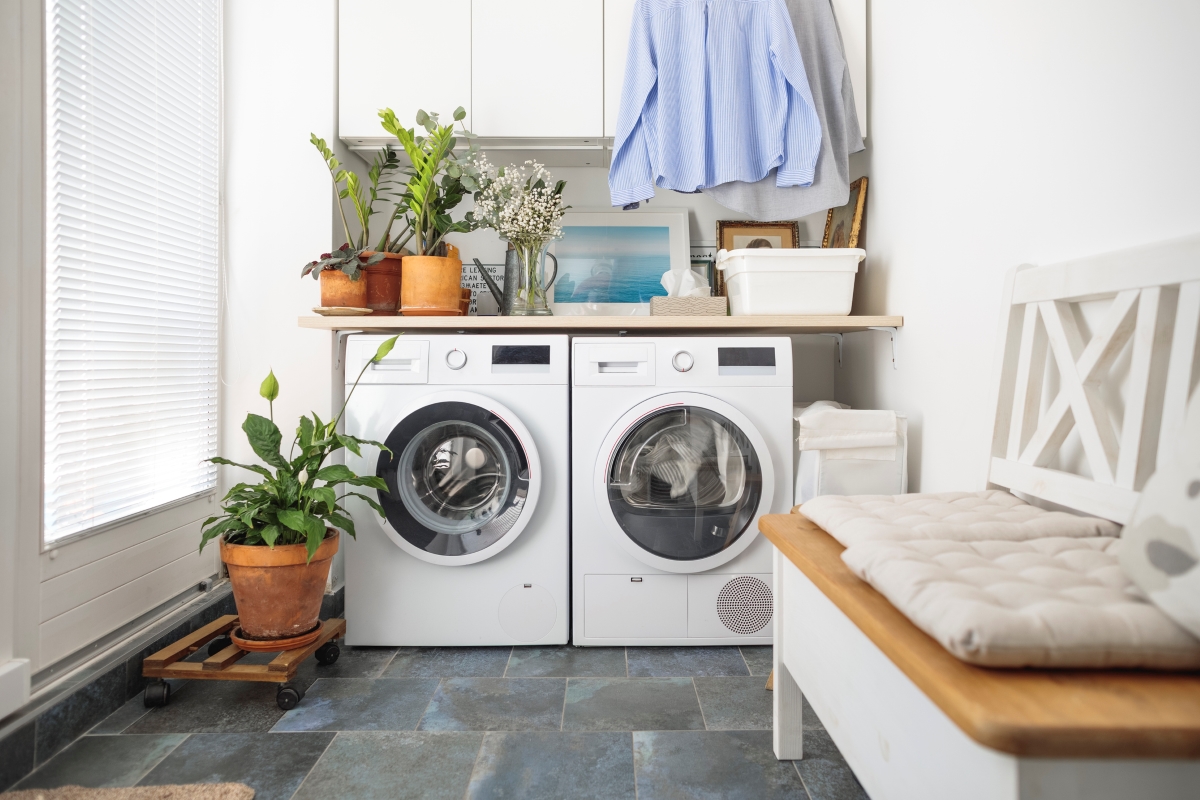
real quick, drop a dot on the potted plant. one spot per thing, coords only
(340, 272)
(438, 181)
(278, 535)
(524, 205)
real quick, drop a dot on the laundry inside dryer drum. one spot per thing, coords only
(684, 483)
(457, 479)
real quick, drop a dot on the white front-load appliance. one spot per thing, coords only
(473, 549)
(679, 445)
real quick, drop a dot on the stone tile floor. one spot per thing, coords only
(527, 722)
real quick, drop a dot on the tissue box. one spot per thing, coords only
(689, 306)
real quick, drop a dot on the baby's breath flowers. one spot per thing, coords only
(524, 205)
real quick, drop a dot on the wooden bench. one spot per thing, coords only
(911, 719)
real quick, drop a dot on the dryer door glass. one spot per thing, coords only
(457, 478)
(684, 483)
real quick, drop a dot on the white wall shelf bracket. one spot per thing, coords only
(891, 332)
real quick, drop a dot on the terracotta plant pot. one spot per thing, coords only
(338, 290)
(432, 286)
(383, 283)
(278, 595)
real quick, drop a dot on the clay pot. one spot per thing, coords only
(432, 286)
(278, 595)
(338, 290)
(383, 283)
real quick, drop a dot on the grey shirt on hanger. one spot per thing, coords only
(829, 80)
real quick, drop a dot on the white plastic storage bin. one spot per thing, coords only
(806, 280)
(849, 452)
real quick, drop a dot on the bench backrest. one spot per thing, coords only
(1154, 312)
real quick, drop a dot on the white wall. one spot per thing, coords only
(1007, 132)
(280, 85)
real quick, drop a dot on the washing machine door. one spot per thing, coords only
(681, 480)
(463, 478)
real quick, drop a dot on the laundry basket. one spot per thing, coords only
(840, 450)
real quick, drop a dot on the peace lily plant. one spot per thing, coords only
(278, 536)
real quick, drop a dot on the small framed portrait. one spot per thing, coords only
(843, 225)
(735, 234)
(741, 234)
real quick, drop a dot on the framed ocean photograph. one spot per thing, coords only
(612, 262)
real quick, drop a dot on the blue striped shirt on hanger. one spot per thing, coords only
(715, 91)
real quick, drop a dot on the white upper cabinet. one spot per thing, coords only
(618, 14)
(427, 66)
(537, 68)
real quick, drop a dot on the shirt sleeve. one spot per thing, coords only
(802, 137)
(631, 176)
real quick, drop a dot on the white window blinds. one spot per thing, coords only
(132, 250)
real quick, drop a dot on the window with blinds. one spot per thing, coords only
(133, 133)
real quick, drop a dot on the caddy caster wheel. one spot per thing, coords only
(157, 694)
(328, 653)
(288, 696)
(219, 644)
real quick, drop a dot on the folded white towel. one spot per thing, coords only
(825, 425)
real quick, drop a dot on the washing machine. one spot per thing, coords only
(473, 547)
(679, 445)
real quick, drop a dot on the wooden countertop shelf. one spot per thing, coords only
(777, 325)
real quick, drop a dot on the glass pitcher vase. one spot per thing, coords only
(532, 285)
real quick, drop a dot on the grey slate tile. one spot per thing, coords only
(731, 765)
(273, 764)
(566, 661)
(448, 662)
(734, 704)
(16, 754)
(122, 718)
(99, 761)
(214, 707)
(496, 704)
(685, 662)
(532, 766)
(629, 704)
(394, 766)
(826, 774)
(361, 704)
(75, 714)
(760, 659)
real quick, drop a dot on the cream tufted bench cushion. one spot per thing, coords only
(1053, 602)
(954, 516)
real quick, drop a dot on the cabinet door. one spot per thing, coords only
(404, 55)
(618, 14)
(537, 68)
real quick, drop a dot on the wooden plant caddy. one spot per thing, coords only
(223, 655)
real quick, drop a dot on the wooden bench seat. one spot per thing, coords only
(1028, 713)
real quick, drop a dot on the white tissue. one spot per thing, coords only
(684, 283)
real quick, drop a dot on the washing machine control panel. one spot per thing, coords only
(456, 359)
(683, 361)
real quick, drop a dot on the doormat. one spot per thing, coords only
(193, 791)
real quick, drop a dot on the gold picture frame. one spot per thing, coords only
(739, 234)
(843, 225)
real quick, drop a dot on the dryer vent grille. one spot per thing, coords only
(744, 605)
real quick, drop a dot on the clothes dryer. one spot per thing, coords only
(474, 546)
(679, 445)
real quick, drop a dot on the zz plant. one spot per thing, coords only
(438, 179)
(298, 501)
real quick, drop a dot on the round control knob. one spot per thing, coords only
(456, 359)
(682, 361)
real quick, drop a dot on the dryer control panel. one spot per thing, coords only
(683, 361)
